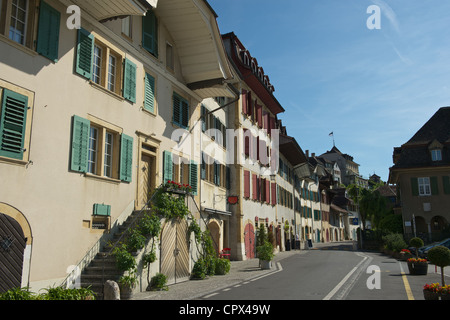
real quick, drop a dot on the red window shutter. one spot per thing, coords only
(254, 186)
(274, 193)
(246, 184)
(257, 148)
(258, 114)
(244, 101)
(259, 191)
(267, 191)
(246, 143)
(266, 122)
(249, 104)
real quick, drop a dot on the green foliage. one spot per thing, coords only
(158, 282)
(56, 293)
(391, 223)
(129, 280)
(136, 240)
(150, 225)
(195, 228)
(265, 251)
(416, 242)
(439, 256)
(18, 294)
(222, 266)
(149, 258)
(200, 269)
(169, 206)
(262, 236)
(394, 242)
(124, 259)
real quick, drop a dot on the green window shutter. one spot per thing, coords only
(446, 182)
(80, 144)
(203, 112)
(102, 210)
(13, 117)
(193, 177)
(415, 186)
(180, 111)
(168, 166)
(129, 81)
(434, 186)
(126, 158)
(85, 53)
(150, 33)
(149, 102)
(48, 31)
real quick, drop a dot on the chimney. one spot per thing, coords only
(313, 154)
(307, 153)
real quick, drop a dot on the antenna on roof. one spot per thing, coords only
(332, 135)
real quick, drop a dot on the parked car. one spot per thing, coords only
(423, 251)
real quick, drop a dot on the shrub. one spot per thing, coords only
(394, 242)
(265, 251)
(199, 271)
(124, 259)
(222, 266)
(158, 282)
(416, 243)
(440, 256)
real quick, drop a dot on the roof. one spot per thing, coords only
(416, 152)
(291, 150)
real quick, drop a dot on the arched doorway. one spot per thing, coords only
(214, 230)
(175, 251)
(249, 240)
(15, 248)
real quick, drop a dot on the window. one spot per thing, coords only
(424, 186)
(18, 22)
(127, 26)
(99, 61)
(101, 149)
(150, 33)
(169, 57)
(172, 171)
(31, 26)
(436, 155)
(149, 93)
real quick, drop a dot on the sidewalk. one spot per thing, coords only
(240, 271)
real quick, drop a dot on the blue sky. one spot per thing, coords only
(373, 88)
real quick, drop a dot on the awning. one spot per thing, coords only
(105, 9)
(215, 211)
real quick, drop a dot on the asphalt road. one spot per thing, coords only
(333, 273)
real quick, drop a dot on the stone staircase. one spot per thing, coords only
(103, 267)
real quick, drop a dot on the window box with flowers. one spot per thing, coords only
(417, 266)
(405, 254)
(431, 291)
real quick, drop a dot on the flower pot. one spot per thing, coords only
(265, 264)
(430, 295)
(126, 293)
(445, 296)
(418, 268)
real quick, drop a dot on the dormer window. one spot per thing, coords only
(435, 149)
(436, 155)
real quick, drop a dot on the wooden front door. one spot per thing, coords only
(249, 239)
(12, 248)
(175, 251)
(146, 179)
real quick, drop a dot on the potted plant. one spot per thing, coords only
(416, 243)
(126, 285)
(445, 292)
(222, 266)
(440, 256)
(431, 291)
(405, 254)
(417, 266)
(265, 255)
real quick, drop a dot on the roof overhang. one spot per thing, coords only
(253, 74)
(194, 30)
(106, 9)
(290, 149)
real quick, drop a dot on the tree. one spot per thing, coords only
(372, 206)
(440, 256)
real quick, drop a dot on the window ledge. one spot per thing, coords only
(12, 161)
(103, 89)
(18, 46)
(102, 178)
